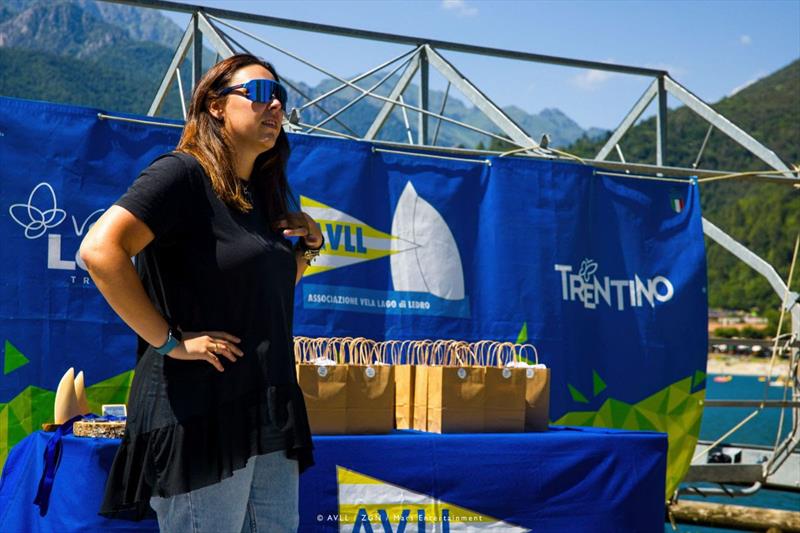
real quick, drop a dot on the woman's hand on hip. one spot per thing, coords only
(301, 224)
(207, 346)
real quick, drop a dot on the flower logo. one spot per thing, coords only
(588, 268)
(38, 219)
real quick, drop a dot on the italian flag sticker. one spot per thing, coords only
(677, 203)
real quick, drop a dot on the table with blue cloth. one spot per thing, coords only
(565, 479)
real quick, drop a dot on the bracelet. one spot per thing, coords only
(174, 338)
(309, 254)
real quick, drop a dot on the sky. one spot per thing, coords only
(712, 48)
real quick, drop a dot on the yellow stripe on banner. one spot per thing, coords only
(349, 477)
(305, 201)
(310, 271)
(374, 253)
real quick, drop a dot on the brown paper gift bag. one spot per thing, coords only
(504, 407)
(537, 392)
(324, 385)
(346, 389)
(422, 350)
(456, 392)
(404, 374)
(370, 389)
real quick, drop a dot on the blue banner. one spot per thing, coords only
(605, 275)
(62, 166)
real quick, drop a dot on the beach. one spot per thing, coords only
(742, 365)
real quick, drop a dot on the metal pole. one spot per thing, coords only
(726, 126)
(221, 45)
(389, 37)
(197, 48)
(405, 120)
(389, 103)
(703, 146)
(630, 119)
(180, 92)
(441, 112)
(166, 81)
(492, 111)
(661, 124)
(422, 127)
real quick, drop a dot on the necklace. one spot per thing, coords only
(246, 188)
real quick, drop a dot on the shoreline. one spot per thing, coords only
(736, 365)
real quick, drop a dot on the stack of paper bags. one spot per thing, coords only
(347, 386)
(479, 387)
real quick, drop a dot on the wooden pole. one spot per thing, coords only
(734, 516)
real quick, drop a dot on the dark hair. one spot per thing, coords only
(204, 138)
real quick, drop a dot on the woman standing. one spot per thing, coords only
(217, 431)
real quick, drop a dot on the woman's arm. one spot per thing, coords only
(107, 250)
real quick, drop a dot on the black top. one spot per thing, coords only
(209, 268)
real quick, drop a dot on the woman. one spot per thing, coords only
(217, 431)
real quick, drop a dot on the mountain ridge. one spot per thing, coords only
(91, 31)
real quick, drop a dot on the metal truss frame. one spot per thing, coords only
(205, 23)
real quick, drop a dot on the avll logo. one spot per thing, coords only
(591, 291)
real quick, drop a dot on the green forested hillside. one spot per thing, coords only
(763, 216)
(42, 76)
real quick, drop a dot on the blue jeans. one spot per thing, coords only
(262, 497)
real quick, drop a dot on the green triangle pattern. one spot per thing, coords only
(112, 390)
(13, 358)
(578, 418)
(642, 422)
(699, 377)
(678, 394)
(32, 407)
(673, 410)
(612, 414)
(657, 403)
(522, 338)
(577, 396)
(619, 412)
(598, 384)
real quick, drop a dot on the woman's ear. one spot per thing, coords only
(215, 108)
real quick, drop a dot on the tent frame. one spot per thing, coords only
(206, 24)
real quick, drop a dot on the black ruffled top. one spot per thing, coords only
(209, 268)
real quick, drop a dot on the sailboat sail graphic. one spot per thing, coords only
(434, 264)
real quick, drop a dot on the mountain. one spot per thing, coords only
(135, 23)
(137, 44)
(765, 217)
(72, 52)
(560, 127)
(79, 34)
(140, 24)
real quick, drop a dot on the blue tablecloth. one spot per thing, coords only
(567, 479)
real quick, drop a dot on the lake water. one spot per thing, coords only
(760, 430)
